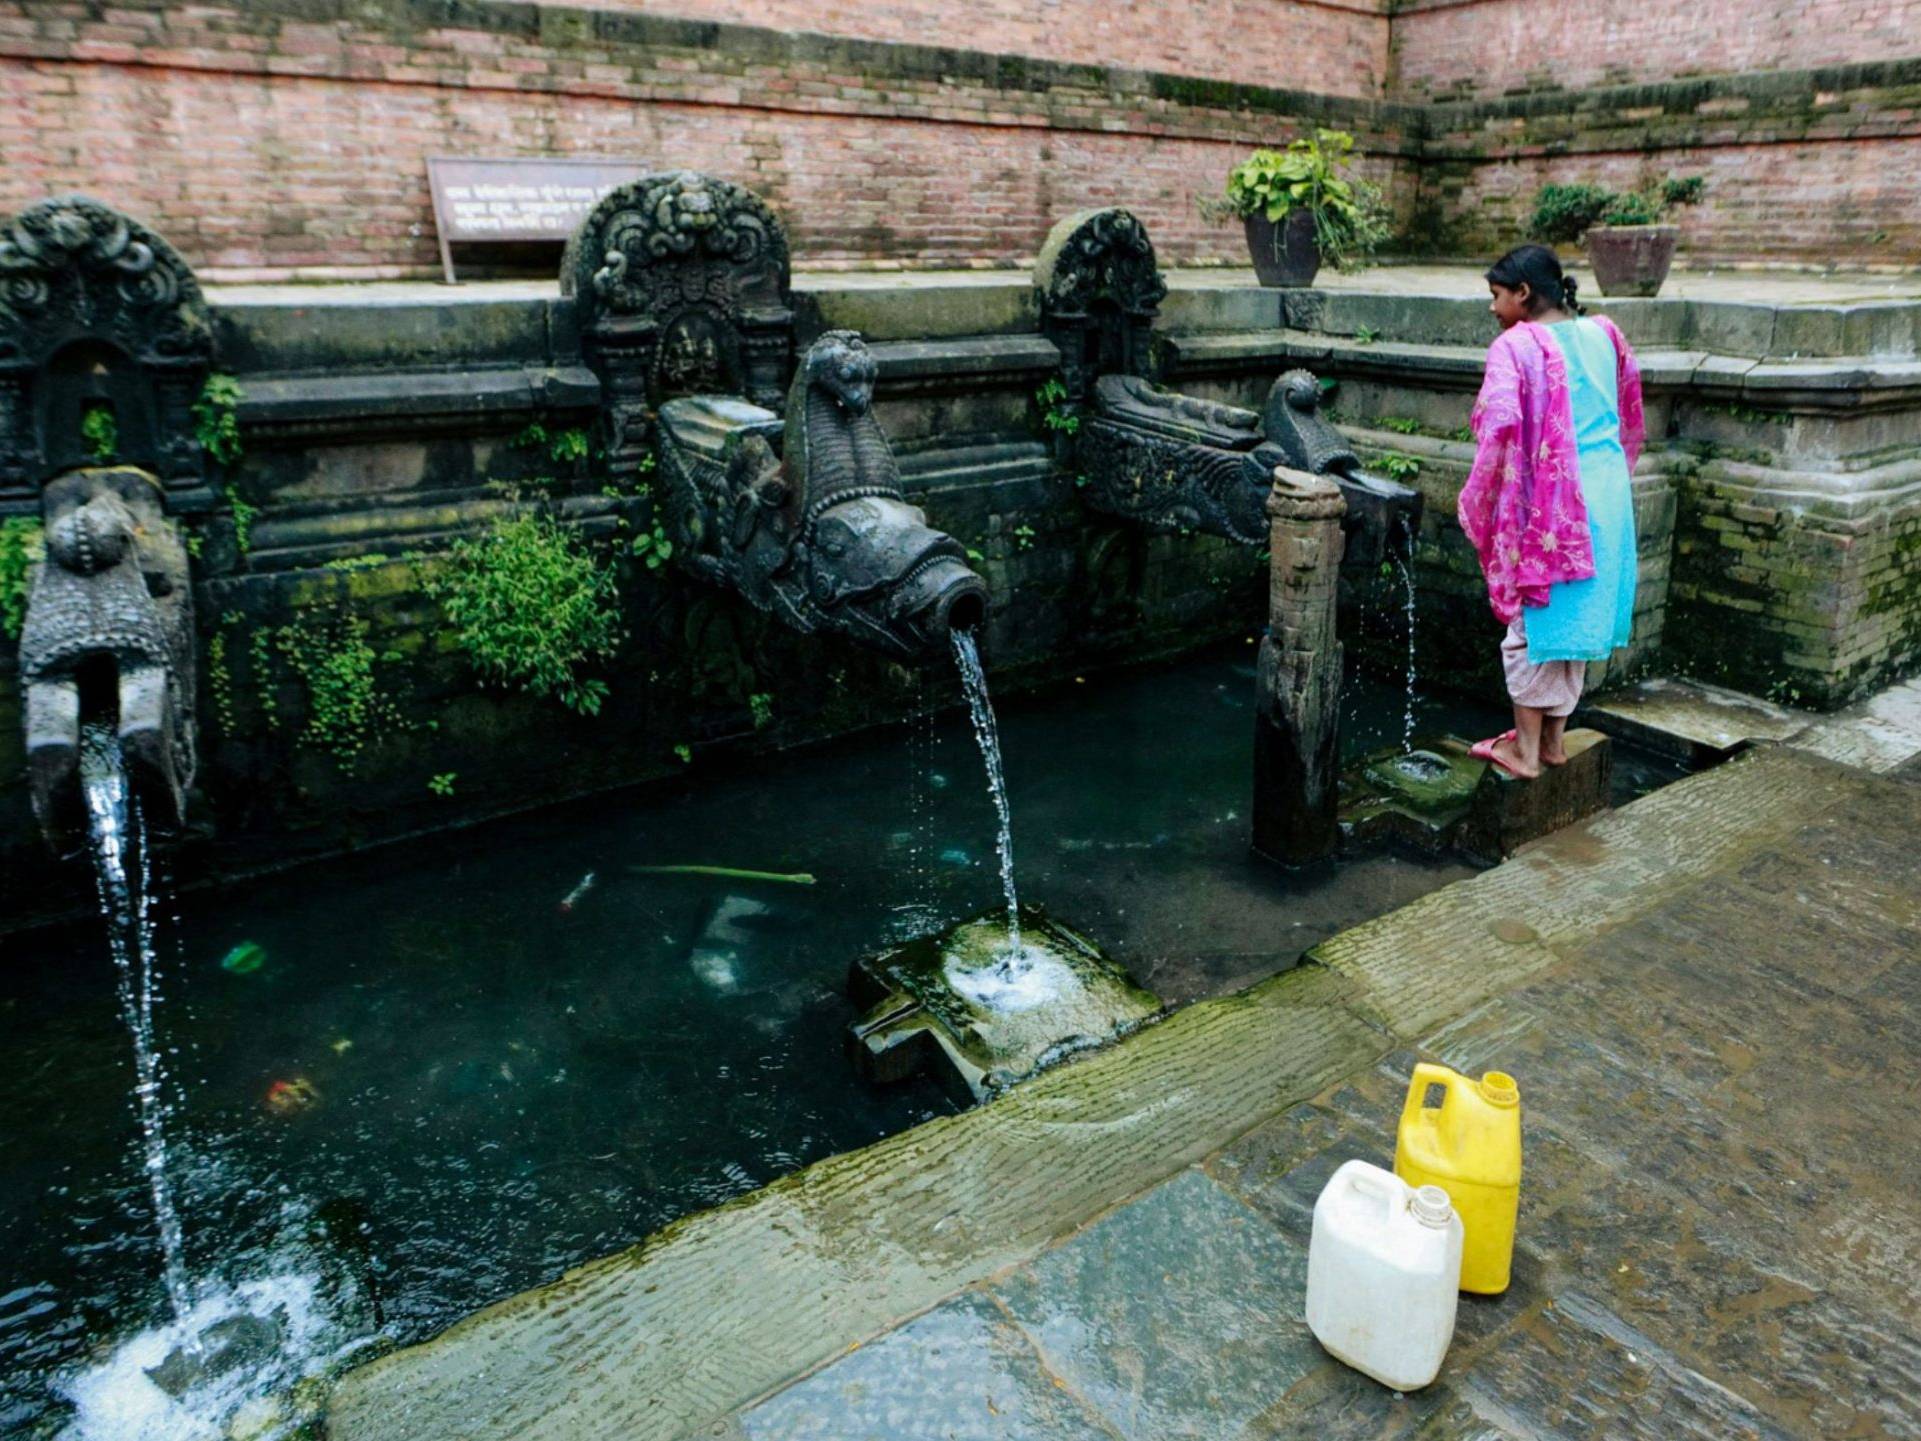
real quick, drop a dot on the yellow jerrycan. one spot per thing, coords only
(1469, 1146)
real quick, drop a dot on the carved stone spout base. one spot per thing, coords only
(943, 1004)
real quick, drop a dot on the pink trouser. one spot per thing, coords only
(1553, 686)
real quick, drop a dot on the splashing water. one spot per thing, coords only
(1407, 711)
(981, 708)
(114, 826)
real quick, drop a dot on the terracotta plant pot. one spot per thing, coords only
(1286, 254)
(1631, 259)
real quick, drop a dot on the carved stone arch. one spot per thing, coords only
(97, 311)
(1099, 289)
(681, 284)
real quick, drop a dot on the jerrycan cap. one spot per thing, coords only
(1430, 1206)
(1498, 1089)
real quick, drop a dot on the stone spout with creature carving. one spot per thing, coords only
(823, 536)
(108, 637)
(1173, 462)
(103, 331)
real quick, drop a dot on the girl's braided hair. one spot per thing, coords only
(1539, 268)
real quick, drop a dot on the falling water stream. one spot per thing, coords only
(1407, 710)
(981, 708)
(113, 823)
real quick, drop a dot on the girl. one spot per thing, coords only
(1547, 506)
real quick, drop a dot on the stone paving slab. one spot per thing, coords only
(1691, 722)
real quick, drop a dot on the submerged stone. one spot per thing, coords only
(960, 1005)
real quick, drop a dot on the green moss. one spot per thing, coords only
(100, 432)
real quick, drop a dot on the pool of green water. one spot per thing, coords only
(462, 1068)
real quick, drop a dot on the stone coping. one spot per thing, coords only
(729, 1305)
(1775, 317)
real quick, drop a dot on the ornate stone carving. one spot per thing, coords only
(97, 311)
(1169, 461)
(109, 631)
(1298, 686)
(680, 282)
(1099, 289)
(824, 539)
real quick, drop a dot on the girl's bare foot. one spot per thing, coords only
(1507, 754)
(1555, 757)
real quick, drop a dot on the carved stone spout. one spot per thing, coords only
(1173, 462)
(1381, 513)
(823, 537)
(108, 637)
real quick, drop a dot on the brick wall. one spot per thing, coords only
(1338, 46)
(263, 142)
(1446, 48)
(1802, 166)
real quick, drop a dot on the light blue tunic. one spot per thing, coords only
(1586, 619)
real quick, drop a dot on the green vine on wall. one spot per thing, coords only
(1055, 415)
(22, 545)
(533, 608)
(216, 420)
(346, 710)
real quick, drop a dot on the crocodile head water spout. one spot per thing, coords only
(823, 535)
(1382, 514)
(108, 637)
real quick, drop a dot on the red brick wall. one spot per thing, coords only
(1447, 48)
(1336, 46)
(264, 145)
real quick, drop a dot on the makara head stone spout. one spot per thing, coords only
(108, 638)
(822, 535)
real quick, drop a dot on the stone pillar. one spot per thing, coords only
(1297, 720)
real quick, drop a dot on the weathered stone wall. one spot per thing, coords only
(289, 137)
(1451, 49)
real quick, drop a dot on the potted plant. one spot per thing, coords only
(1298, 210)
(1628, 246)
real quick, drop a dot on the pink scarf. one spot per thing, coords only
(1522, 507)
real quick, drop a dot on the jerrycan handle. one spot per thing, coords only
(1426, 1074)
(1370, 1181)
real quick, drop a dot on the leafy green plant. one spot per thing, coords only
(100, 431)
(1366, 335)
(216, 419)
(685, 752)
(22, 545)
(1401, 424)
(761, 704)
(1464, 432)
(1024, 537)
(1351, 218)
(1564, 213)
(532, 608)
(1400, 467)
(1052, 399)
(346, 707)
(654, 547)
(570, 446)
(243, 518)
(443, 783)
(974, 557)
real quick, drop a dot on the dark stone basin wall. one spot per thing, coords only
(376, 433)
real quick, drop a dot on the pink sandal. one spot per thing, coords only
(1484, 751)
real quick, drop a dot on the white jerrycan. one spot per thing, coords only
(1383, 1270)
